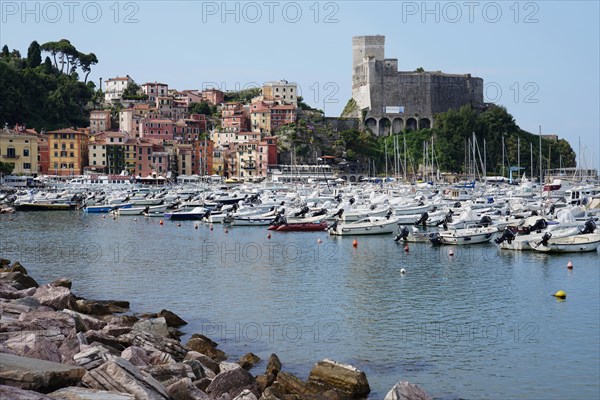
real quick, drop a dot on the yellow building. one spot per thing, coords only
(218, 160)
(260, 117)
(68, 152)
(19, 149)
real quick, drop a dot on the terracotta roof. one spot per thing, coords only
(65, 130)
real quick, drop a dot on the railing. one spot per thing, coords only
(11, 156)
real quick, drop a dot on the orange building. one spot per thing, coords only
(68, 150)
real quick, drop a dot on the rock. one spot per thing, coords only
(264, 381)
(122, 376)
(64, 282)
(157, 357)
(404, 390)
(246, 395)
(69, 347)
(4, 262)
(207, 362)
(172, 319)
(119, 343)
(18, 280)
(57, 297)
(273, 365)
(202, 384)
(40, 375)
(206, 348)
(116, 330)
(85, 322)
(205, 338)
(344, 378)
(156, 343)
(92, 357)
(135, 355)
(291, 384)
(197, 369)
(232, 382)
(8, 292)
(80, 393)
(227, 366)
(170, 373)
(247, 361)
(14, 393)
(184, 389)
(23, 342)
(271, 394)
(154, 327)
(101, 307)
(28, 300)
(43, 349)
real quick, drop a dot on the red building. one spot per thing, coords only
(282, 115)
(234, 118)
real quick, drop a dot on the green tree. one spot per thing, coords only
(6, 168)
(34, 55)
(5, 52)
(200, 108)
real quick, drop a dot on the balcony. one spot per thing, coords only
(10, 156)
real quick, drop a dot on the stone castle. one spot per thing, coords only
(390, 101)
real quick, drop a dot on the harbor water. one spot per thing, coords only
(481, 323)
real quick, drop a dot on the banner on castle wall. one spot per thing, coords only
(393, 110)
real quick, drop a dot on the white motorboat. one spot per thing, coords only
(568, 244)
(415, 236)
(365, 226)
(472, 235)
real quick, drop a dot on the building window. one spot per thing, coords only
(26, 166)
(56, 145)
(56, 154)
(72, 154)
(71, 145)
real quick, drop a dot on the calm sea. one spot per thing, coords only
(479, 324)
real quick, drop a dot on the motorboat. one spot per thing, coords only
(471, 235)
(365, 226)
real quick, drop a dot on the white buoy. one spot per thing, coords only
(402, 271)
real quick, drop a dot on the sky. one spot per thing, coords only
(539, 59)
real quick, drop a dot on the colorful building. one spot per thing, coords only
(281, 92)
(19, 148)
(115, 87)
(99, 121)
(68, 151)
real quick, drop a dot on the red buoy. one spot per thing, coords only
(355, 243)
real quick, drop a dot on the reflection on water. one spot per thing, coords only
(478, 324)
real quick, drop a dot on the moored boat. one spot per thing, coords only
(365, 226)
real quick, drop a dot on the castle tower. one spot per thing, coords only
(366, 52)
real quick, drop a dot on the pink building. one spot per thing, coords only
(151, 158)
(155, 89)
(281, 115)
(213, 96)
(157, 128)
(234, 118)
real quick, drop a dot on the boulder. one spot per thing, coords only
(273, 365)
(14, 393)
(170, 373)
(264, 381)
(118, 343)
(197, 369)
(343, 378)
(227, 366)
(116, 330)
(64, 282)
(23, 342)
(232, 382)
(18, 280)
(247, 361)
(172, 319)
(290, 384)
(136, 355)
(156, 357)
(404, 390)
(207, 348)
(211, 368)
(154, 327)
(202, 384)
(43, 349)
(84, 322)
(57, 297)
(92, 356)
(4, 262)
(80, 393)
(184, 389)
(39, 375)
(120, 375)
(69, 347)
(246, 395)
(156, 343)
(101, 307)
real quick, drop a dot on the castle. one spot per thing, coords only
(390, 101)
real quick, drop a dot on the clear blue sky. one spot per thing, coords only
(539, 59)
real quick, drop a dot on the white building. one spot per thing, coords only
(115, 87)
(154, 90)
(281, 92)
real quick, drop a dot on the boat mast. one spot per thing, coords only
(519, 154)
(405, 164)
(531, 154)
(503, 155)
(541, 173)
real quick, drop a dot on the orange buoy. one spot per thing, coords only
(570, 265)
(406, 249)
(161, 222)
(269, 235)
(355, 243)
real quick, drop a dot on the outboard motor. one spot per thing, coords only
(302, 212)
(373, 206)
(338, 198)
(545, 238)
(339, 213)
(485, 221)
(589, 227)
(539, 225)
(402, 235)
(389, 214)
(423, 219)
(333, 226)
(507, 235)
(435, 238)
(448, 217)
(322, 211)
(552, 209)
(534, 213)
(457, 204)
(352, 200)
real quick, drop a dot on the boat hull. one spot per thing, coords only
(44, 207)
(300, 227)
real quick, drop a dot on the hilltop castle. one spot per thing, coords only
(390, 101)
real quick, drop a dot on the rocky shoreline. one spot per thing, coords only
(56, 345)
